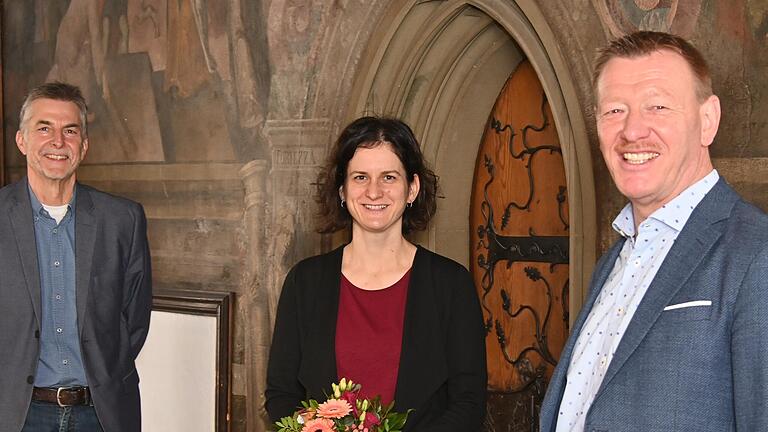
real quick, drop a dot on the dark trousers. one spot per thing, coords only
(49, 417)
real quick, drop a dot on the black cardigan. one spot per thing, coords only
(442, 374)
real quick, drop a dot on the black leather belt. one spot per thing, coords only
(62, 396)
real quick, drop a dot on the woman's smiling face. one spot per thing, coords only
(377, 189)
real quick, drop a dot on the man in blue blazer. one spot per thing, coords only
(75, 283)
(673, 335)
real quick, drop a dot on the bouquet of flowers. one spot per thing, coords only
(344, 411)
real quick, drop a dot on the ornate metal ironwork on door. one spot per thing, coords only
(520, 250)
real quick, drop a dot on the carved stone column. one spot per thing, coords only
(253, 305)
(297, 149)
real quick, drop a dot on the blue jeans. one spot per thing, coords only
(49, 417)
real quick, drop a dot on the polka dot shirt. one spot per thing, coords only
(634, 270)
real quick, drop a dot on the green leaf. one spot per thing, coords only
(288, 424)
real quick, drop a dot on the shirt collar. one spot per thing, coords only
(673, 214)
(37, 206)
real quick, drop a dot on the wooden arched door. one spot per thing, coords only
(519, 250)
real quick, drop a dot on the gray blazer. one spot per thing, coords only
(114, 297)
(694, 369)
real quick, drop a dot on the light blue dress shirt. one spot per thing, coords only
(639, 260)
(61, 361)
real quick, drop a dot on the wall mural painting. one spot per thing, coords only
(163, 78)
(757, 14)
(297, 31)
(626, 16)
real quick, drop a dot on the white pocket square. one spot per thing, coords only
(689, 304)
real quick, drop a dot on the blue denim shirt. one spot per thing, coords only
(61, 361)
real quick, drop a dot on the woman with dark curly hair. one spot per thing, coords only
(400, 320)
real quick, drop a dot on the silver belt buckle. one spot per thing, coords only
(58, 396)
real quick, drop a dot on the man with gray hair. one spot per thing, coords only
(75, 283)
(673, 335)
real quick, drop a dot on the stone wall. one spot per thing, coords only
(216, 116)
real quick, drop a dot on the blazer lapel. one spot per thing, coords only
(556, 385)
(596, 286)
(85, 239)
(21, 218)
(691, 246)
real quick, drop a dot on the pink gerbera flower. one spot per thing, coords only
(318, 425)
(334, 408)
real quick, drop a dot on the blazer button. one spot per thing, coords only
(30, 379)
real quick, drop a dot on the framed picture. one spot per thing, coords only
(184, 366)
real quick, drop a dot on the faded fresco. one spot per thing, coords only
(166, 81)
(215, 115)
(625, 16)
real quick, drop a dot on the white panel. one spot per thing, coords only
(177, 369)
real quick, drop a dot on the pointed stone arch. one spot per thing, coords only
(440, 65)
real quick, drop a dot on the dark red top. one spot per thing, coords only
(369, 336)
